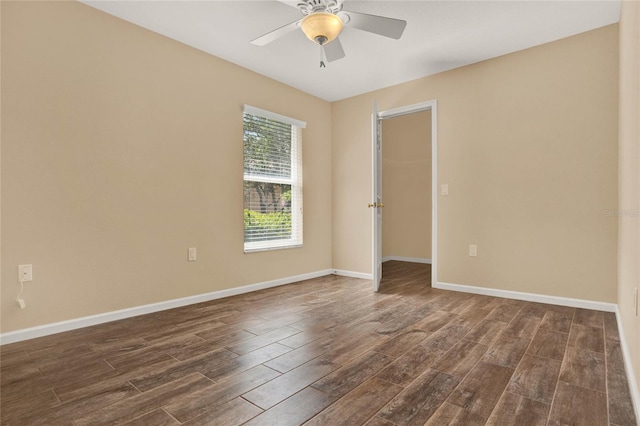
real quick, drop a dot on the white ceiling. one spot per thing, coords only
(440, 35)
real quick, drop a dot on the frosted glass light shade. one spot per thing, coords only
(321, 27)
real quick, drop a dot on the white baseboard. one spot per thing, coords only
(58, 327)
(407, 259)
(628, 366)
(352, 274)
(530, 297)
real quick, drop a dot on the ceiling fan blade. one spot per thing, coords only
(276, 34)
(388, 27)
(333, 51)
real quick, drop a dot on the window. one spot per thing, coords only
(272, 180)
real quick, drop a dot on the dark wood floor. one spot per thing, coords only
(328, 351)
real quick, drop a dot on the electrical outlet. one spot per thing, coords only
(25, 273)
(444, 189)
(192, 254)
(473, 250)
(21, 303)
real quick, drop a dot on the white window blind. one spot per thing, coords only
(272, 180)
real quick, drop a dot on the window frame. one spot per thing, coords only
(295, 180)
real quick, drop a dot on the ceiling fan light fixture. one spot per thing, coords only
(321, 27)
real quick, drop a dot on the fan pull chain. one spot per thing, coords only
(322, 65)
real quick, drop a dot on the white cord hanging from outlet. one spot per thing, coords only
(25, 274)
(19, 300)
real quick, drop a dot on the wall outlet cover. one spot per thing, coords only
(25, 273)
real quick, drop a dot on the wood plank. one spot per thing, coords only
(557, 321)
(74, 390)
(311, 331)
(472, 316)
(585, 337)
(420, 400)
(13, 354)
(200, 364)
(205, 346)
(434, 321)
(345, 379)
(409, 366)
(242, 363)
(504, 313)
(611, 326)
(549, 344)
(584, 368)
(534, 309)
(460, 303)
(452, 415)
(294, 410)
(22, 410)
(274, 324)
(589, 317)
(301, 355)
(352, 346)
(481, 389)
(131, 408)
(26, 372)
(234, 412)
(282, 387)
(198, 403)
(516, 410)
(257, 342)
(523, 326)
(403, 322)
(620, 406)
(578, 406)
(486, 332)
(358, 405)
(83, 406)
(157, 417)
(507, 351)
(175, 331)
(402, 343)
(535, 378)
(80, 372)
(132, 361)
(615, 360)
(377, 421)
(461, 358)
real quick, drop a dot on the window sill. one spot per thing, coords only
(259, 248)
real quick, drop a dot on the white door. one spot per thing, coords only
(376, 205)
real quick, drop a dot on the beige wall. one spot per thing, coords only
(114, 140)
(122, 148)
(629, 177)
(406, 186)
(528, 146)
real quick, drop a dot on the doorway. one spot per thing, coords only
(406, 187)
(407, 171)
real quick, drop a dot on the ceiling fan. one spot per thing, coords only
(324, 20)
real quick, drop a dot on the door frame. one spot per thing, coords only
(432, 106)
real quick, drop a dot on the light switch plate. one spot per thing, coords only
(192, 254)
